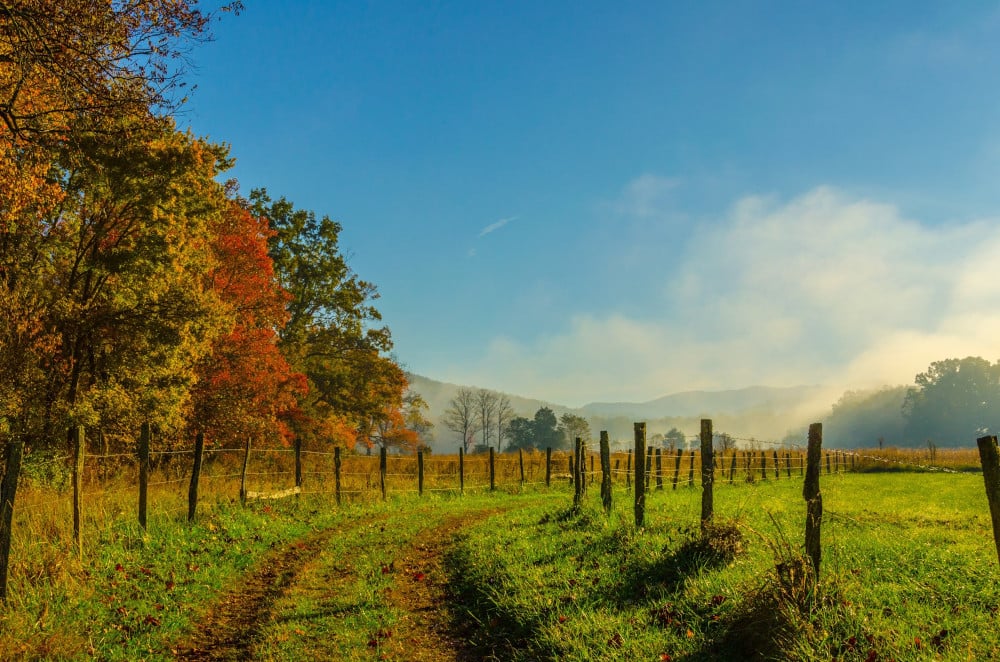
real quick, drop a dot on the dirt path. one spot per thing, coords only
(227, 631)
(426, 630)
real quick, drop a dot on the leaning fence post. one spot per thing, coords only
(677, 467)
(420, 473)
(382, 468)
(520, 462)
(8, 490)
(606, 472)
(640, 473)
(79, 448)
(144, 434)
(243, 474)
(199, 450)
(336, 472)
(707, 472)
(990, 459)
(811, 493)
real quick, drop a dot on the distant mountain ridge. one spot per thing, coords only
(709, 403)
(757, 410)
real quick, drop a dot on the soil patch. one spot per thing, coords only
(227, 632)
(426, 630)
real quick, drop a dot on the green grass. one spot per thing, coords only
(909, 572)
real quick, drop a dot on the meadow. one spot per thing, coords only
(909, 570)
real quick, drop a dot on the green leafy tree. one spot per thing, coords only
(954, 402)
(674, 439)
(546, 428)
(521, 434)
(862, 418)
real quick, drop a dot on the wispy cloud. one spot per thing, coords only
(493, 227)
(645, 195)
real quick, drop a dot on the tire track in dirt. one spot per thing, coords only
(426, 630)
(229, 629)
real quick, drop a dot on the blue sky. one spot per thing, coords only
(584, 201)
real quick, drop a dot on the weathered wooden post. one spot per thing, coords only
(548, 466)
(461, 470)
(677, 467)
(382, 468)
(788, 464)
(707, 472)
(777, 466)
(298, 465)
(144, 435)
(827, 464)
(659, 469)
(811, 493)
(640, 473)
(243, 474)
(199, 450)
(420, 472)
(578, 463)
(649, 466)
(606, 472)
(628, 470)
(79, 449)
(520, 461)
(8, 490)
(336, 472)
(691, 470)
(493, 470)
(732, 466)
(763, 465)
(990, 459)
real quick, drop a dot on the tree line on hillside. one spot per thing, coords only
(484, 419)
(951, 404)
(137, 286)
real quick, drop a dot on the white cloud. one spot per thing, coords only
(645, 195)
(824, 288)
(493, 227)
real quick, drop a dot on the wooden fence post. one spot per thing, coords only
(691, 471)
(659, 469)
(763, 465)
(199, 450)
(606, 472)
(336, 472)
(79, 449)
(649, 466)
(461, 470)
(732, 466)
(420, 473)
(548, 466)
(8, 490)
(811, 493)
(827, 464)
(788, 464)
(578, 473)
(640, 473)
(383, 463)
(298, 463)
(989, 457)
(144, 435)
(493, 470)
(520, 462)
(243, 475)
(707, 472)
(777, 466)
(677, 467)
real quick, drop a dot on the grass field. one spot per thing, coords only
(909, 572)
